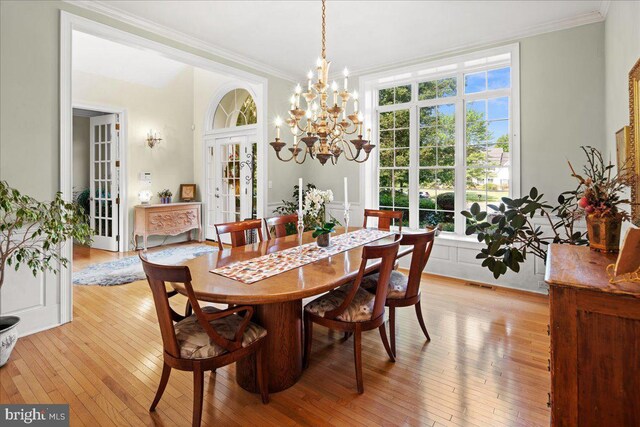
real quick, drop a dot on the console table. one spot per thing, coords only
(167, 219)
(595, 341)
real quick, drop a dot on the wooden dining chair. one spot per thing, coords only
(208, 339)
(385, 218)
(238, 231)
(352, 309)
(405, 291)
(279, 224)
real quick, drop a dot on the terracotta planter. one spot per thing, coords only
(604, 232)
(8, 337)
(323, 240)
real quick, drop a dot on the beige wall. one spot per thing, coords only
(81, 157)
(622, 50)
(167, 109)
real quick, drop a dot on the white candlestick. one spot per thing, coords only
(300, 194)
(346, 193)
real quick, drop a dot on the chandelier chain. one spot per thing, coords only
(324, 16)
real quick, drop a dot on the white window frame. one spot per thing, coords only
(442, 68)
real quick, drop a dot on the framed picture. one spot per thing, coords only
(187, 192)
(623, 154)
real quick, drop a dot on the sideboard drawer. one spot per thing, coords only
(172, 222)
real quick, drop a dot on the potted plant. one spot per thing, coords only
(165, 195)
(323, 232)
(599, 196)
(30, 235)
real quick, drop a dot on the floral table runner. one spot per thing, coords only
(256, 269)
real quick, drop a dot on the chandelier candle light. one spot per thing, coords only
(324, 126)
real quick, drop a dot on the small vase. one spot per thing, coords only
(8, 337)
(604, 232)
(323, 240)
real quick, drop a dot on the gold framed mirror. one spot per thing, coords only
(634, 140)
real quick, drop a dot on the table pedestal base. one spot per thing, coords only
(283, 322)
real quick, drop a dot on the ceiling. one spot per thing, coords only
(98, 56)
(283, 37)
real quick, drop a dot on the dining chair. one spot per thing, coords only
(238, 231)
(208, 339)
(384, 218)
(352, 309)
(279, 224)
(404, 291)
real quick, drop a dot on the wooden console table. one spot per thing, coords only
(595, 341)
(166, 219)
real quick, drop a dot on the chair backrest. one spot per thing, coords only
(157, 276)
(279, 224)
(387, 254)
(384, 218)
(422, 245)
(238, 231)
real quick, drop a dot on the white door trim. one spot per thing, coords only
(123, 226)
(70, 22)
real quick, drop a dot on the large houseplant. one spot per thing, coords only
(510, 234)
(31, 232)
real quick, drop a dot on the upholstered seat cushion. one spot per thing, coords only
(359, 310)
(397, 284)
(195, 343)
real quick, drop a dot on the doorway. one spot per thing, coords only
(98, 172)
(231, 155)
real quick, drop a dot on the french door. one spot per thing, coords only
(231, 180)
(104, 182)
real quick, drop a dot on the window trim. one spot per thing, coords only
(370, 84)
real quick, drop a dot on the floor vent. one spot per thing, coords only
(480, 285)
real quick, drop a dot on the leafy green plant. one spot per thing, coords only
(327, 228)
(289, 207)
(510, 235)
(32, 231)
(165, 193)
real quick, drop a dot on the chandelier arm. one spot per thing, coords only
(283, 160)
(353, 156)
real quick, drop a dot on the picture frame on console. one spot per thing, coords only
(187, 192)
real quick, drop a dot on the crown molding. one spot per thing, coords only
(178, 36)
(604, 8)
(548, 27)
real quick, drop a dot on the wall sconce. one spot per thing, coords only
(153, 139)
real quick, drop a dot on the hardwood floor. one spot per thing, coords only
(486, 365)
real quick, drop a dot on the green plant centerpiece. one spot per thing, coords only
(315, 210)
(322, 233)
(31, 233)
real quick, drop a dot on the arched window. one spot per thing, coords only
(237, 108)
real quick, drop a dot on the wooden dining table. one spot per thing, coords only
(277, 300)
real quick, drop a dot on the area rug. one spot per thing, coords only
(129, 269)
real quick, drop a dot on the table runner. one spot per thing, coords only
(256, 269)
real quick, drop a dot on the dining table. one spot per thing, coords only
(277, 300)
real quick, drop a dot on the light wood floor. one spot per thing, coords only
(485, 366)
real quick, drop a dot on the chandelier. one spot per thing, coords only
(324, 126)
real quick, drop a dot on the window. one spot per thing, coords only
(445, 138)
(237, 108)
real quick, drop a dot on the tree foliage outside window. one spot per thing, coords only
(484, 144)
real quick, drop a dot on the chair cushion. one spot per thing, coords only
(397, 284)
(359, 310)
(196, 344)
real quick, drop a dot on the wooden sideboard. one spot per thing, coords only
(166, 219)
(595, 341)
